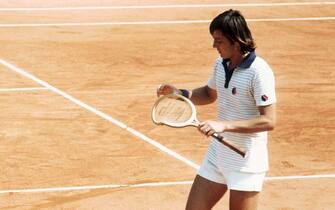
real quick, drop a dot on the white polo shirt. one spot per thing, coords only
(252, 84)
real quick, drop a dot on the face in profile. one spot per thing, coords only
(223, 45)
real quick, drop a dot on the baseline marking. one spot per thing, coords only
(99, 113)
(150, 184)
(158, 22)
(168, 6)
(22, 89)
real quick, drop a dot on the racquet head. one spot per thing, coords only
(177, 111)
(174, 110)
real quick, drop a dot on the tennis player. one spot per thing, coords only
(244, 85)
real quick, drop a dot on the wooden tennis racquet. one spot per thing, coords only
(178, 111)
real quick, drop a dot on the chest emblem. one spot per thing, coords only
(233, 91)
(264, 97)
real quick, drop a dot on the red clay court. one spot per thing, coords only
(79, 80)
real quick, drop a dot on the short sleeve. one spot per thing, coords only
(212, 79)
(264, 86)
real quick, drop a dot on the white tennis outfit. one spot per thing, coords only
(252, 84)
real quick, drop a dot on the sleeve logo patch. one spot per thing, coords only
(264, 98)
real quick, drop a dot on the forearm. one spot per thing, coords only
(258, 124)
(201, 96)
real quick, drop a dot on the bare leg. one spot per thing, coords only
(240, 200)
(204, 194)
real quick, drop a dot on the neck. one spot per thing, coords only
(236, 60)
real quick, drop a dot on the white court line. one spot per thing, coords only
(22, 89)
(157, 22)
(290, 19)
(99, 113)
(169, 6)
(274, 178)
(150, 184)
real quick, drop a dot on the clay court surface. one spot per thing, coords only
(76, 97)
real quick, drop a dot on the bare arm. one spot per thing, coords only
(265, 122)
(203, 95)
(199, 96)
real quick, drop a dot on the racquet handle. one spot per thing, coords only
(229, 144)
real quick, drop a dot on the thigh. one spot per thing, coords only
(242, 200)
(204, 194)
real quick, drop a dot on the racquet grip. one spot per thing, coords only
(229, 145)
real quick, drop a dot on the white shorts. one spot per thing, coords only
(235, 180)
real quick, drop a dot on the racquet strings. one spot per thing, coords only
(172, 111)
(175, 111)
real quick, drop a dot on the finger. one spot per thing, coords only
(205, 130)
(164, 89)
(201, 127)
(202, 130)
(210, 133)
(160, 89)
(205, 126)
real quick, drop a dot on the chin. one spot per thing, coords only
(222, 56)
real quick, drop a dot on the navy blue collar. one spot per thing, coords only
(245, 64)
(247, 61)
